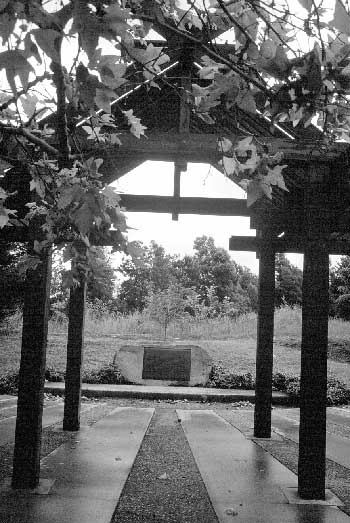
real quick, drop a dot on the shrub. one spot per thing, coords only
(109, 374)
(224, 378)
(337, 392)
(54, 375)
(9, 382)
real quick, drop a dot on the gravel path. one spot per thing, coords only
(164, 484)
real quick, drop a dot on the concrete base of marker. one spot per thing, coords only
(164, 364)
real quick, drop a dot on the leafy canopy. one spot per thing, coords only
(65, 63)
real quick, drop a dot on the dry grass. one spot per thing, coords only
(227, 340)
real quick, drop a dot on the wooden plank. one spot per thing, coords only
(252, 244)
(187, 205)
(264, 349)
(26, 461)
(74, 368)
(176, 196)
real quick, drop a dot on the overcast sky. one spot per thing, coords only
(177, 237)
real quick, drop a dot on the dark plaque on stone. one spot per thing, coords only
(166, 364)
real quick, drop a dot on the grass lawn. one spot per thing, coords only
(228, 341)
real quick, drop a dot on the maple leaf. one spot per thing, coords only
(15, 64)
(84, 218)
(110, 196)
(256, 189)
(4, 166)
(210, 68)
(103, 99)
(38, 185)
(245, 101)
(115, 17)
(46, 40)
(230, 165)
(5, 215)
(136, 128)
(275, 177)
(7, 25)
(341, 18)
(29, 103)
(306, 4)
(224, 144)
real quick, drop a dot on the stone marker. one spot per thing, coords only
(163, 364)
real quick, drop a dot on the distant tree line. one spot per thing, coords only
(210, 280)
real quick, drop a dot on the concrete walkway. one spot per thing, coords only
(161, 392)
(338, 447)
(89, 473)
(245, 483)
(8, 407)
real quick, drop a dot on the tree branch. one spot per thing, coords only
(209, 52)
(61, 119)
(20, 131)
(45, 76)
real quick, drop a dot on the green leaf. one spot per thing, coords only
(29, 103)
(110, 196)
(47, 41)
(306, 4)
(136, 128)
(69, 195)
(4, 166)
(341, 18)
(230, 165)
(275, 177)
(37, 184)
(256, 190)
(83, 218)
(224, 144)
(15, 64)
(7, 25)
(103, 99)
(245, 101)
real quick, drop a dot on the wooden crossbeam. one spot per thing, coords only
(251, 243)
(202, 148)
(185, 205)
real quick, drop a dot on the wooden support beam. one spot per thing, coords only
(252, 243)
(202, 148)
(314, 341)
(74, 368)
(264, 350)
(26, 461)
(176, 196)
(313, 380)
(186, 205)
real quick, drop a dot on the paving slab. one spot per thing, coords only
(90, 472)
(243, 481)
(4, 398)
(337, 447)
(51, 415)
(168, 392)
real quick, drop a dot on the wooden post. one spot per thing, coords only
(75, 343)
(177, 185)
(264, 350)
(313, 380)
(26, 461)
